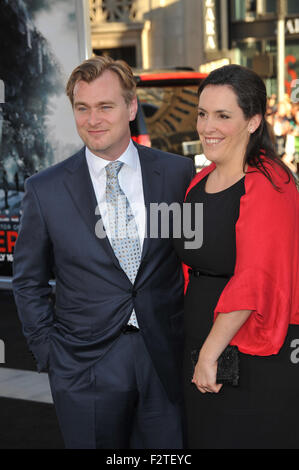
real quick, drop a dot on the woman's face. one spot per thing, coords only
(223, 130)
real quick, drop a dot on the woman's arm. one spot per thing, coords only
(224, 329)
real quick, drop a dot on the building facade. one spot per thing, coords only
(149, 33)
(201, 34)
(253, 37)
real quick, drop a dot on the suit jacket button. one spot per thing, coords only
(134, 293)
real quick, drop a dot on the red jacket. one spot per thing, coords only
(266, 273)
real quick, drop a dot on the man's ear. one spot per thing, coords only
(133, 106)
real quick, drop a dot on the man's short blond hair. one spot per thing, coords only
(93, 68)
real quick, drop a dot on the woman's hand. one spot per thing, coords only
(223, 330)
(205, 375)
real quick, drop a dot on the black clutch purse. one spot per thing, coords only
(227, 368)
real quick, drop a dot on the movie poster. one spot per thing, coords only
(40, 44)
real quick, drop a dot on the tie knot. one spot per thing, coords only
(113, 168)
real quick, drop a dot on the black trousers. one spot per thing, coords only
(118, 403)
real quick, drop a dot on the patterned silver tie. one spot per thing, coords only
(123, 229)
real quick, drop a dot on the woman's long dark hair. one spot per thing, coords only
(251, 94)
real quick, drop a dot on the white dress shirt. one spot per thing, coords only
(130, 180)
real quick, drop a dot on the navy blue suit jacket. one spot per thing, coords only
(94, 297)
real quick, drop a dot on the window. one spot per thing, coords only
(270, 6)
(244, 9)
(127, 54)
(112, 10)
(246, 51)
(250, 9)
(292, 6)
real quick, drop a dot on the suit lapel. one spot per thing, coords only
(152, 180)
(78, 183)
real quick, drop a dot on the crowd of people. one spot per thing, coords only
(284, 119)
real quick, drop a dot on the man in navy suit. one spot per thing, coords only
(111, 341)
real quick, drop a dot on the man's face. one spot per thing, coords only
(102, 115)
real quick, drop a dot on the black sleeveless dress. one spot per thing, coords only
(263, 411)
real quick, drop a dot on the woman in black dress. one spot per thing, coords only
(241, 284)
